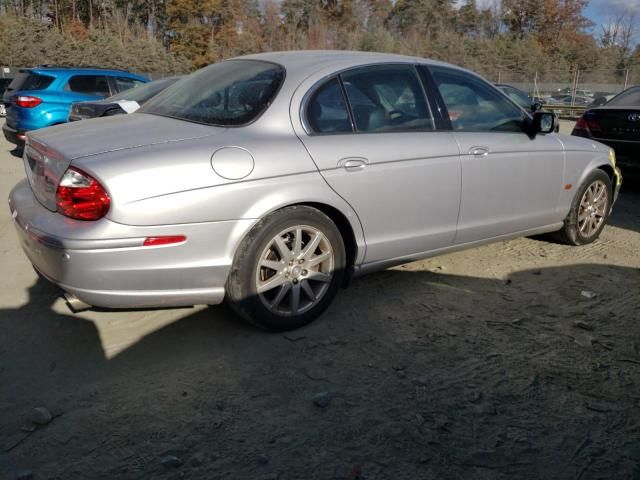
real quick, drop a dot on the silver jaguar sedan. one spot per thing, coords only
(270, 180)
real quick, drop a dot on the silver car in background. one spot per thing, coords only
(269, 180)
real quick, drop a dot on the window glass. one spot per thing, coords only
(89, 85)
(628, 98)
(387, 98)
(474, 105)
(519, 97)
(27, 81)
(327, 111)
(229, 93)
(123, 83)
(145, 91)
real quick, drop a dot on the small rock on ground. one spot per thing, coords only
(171, 461)
(40, 416)
(322, 399)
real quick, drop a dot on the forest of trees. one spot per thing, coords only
(512, 38)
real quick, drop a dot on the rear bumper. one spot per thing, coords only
(14, 136)
(104, 263)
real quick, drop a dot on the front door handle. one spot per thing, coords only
(479, 151)
(353, 164)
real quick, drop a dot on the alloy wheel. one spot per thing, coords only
(295, 270)
(593, 209)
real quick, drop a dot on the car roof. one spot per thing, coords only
(310, 61)
(49, 69)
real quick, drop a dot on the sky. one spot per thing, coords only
(600, 12)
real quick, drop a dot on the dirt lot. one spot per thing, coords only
(490, 363)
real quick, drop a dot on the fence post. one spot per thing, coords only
(576, 75)
(626, 79)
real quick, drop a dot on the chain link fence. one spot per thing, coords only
(569, 92)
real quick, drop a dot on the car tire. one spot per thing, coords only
(287, 270)
(589, 211)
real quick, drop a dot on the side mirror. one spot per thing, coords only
(535, 106)
(544, 122)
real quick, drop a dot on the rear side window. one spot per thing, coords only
(27, 81)
(89, 85)
(387, 98)
(474, 105)
(327, 110)
(123, 83)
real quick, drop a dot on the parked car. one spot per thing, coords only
(4, 83)
(569, 91)
(41, 97)
(269, 180)
(121, 103)
(577, 101)
(616, 124)
(519, 97)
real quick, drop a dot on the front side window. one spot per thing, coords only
(387, 98)
(327, 111)
(230, 93)
(89, 85)
(519, 97)
(474, 105)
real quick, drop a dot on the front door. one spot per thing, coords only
(510, 182)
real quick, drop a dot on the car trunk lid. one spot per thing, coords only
(614, 123)
(49, 151)
(102, 135)
(44, 167)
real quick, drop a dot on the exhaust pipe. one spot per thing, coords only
(75, 304)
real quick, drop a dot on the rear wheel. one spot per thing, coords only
(288, 269)
(589, 210)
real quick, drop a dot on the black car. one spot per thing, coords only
(616, 124)
(4, 83)
(122, 103)
(520, 97)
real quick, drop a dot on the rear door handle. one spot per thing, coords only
(479, 151)
(353, 164)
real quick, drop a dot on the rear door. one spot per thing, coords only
(371, 132)
(510, 182)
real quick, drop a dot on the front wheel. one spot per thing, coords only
(288, 269)
(589, 210)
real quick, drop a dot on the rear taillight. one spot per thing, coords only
(25, 101)
(80, 196)
(587, 123)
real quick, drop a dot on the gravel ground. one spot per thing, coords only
(516, 360)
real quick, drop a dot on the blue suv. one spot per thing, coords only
(41, 97)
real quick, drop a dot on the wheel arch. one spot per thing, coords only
(608, 169)
(344, 226)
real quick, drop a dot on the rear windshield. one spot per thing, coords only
(230, 93)
(628, 98)
(144, 92)
(26, 81)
